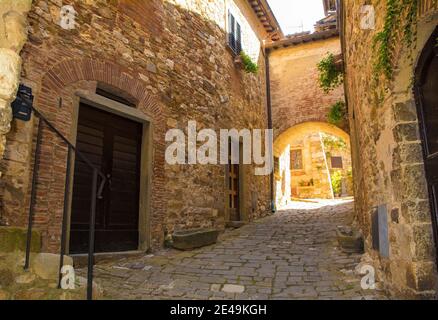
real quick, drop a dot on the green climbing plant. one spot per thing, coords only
(337, 113)
(400, 23)
(333, 143)
(336, 179)
(330, 76)
(248, 65)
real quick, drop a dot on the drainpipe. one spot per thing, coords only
(269, 113)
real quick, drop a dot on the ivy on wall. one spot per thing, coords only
(337, 113)
(330, 75)
(331, 142)
(400, 24)
(336, 180)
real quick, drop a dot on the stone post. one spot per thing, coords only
(13, 35)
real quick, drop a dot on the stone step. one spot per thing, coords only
(195, 238)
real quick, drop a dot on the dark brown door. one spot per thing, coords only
(113, 144)
(233, 188)
(426, 90)
(234, 192)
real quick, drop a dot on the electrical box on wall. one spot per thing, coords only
(20, 107)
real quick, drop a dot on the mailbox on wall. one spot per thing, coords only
(21, 109)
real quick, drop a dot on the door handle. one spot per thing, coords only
(109, 179)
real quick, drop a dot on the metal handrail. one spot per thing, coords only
(96, 193)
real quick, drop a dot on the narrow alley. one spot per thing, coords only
(218, 149)
(290, 255)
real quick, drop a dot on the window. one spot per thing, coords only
(336, 162)
(234, 34)
(296, 159)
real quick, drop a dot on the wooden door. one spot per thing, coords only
(234, 194)
(426, 90)
(113, 144)
(233, 188)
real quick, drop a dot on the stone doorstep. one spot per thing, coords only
(195, 238)
(81, 260)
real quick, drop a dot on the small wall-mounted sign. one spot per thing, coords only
(20, 109)
(379, 228)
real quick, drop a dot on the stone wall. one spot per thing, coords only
(387, 155)
(13, 35)
(296, 95)
(172, 57)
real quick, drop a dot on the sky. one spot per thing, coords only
(297, 15)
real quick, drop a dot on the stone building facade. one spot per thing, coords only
(390, 178)
(296, 95)
(169, 59)
(317, 159)
(300, 111)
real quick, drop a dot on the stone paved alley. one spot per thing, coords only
(291, 255)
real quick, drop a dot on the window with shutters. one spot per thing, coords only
(234, 34)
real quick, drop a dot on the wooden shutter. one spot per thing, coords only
(238, 38)
(231, 30)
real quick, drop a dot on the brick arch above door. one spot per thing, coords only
(68, 72)
(55, 99)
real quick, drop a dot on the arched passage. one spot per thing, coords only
(313, 160)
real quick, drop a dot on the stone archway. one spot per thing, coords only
(56, 98)
(307, 127)
(313, 160)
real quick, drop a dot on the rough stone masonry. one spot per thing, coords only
(387, 152)
(172, 59)
(13, 35)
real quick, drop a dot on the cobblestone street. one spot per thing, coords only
(291, 255)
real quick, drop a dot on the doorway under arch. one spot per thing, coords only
(312, 161)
